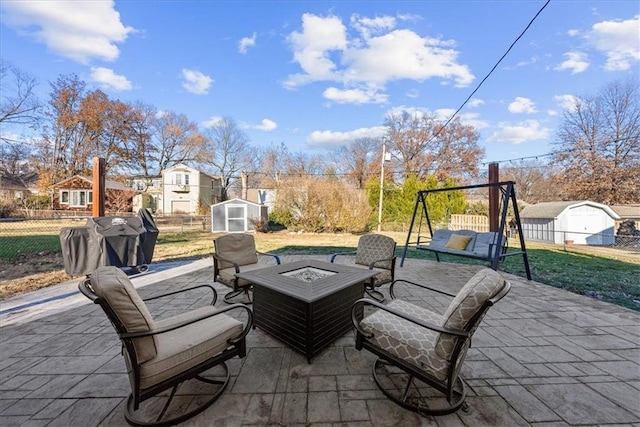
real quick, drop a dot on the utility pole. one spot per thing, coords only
(382, 160)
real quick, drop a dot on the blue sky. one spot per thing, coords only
(316, 75)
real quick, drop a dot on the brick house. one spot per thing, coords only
(76, 194)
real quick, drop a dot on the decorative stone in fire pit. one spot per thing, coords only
(309, 274)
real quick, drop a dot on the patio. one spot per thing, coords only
(542, 357)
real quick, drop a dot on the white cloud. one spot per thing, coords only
(566, 102)
(377, 54)
(573, 33)
(576, 62)
(442, 114)
(618, 40)
(331, 139)
(196, 82)
(522, 105)
(266, 125)
(529, 130)
(213, 121)
(79, 30)
(110, 80)
(475, 102)
(413, 93)
(246, 42)
(354, 96)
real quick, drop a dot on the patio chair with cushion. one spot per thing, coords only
(161, 355)
(419, 350)
(376, 252)
(235, 253)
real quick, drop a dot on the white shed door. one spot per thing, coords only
(587, 225)
(236, 218)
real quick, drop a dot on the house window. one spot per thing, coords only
(186, 179)
(76, 198)
(178, 179)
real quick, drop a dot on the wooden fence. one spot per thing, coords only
(477, 223)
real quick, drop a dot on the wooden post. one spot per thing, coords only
(494, 197)
(98, 186)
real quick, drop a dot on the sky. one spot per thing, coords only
(316, 75)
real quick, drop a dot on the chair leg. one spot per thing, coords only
(136, 418)
(374, 293)
(400, 387)
(229, 296)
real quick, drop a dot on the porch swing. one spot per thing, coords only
(489, 246)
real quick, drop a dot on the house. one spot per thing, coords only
(187, 191)
(627, 212)
(236, 215)
(18, 186)
(583, 222)
(76, 194)
(150, 188)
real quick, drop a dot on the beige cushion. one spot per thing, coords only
(374, 247)
(457, 241)
(484, 285)
(227, 275)
(405, 339)
(113, 285)
(239, 248)
(182, 348)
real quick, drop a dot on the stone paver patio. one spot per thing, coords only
(542, 357)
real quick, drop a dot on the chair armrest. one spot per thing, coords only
(419, 285)
(373, 263)
(184, 323)
(404, 316)
(277, 258)
(213, 302)
(333, 257)
(217, 257)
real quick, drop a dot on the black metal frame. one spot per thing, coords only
(494, 257)
(237, 347)
(237, 289)
(370, 286)
(453, 387)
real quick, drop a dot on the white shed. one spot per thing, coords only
(583, 222)
(236, 215)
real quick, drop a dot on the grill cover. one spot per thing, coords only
(109, 240)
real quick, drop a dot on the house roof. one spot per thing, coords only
(627, 211)
(554, 209)
(109, 184)
(180, 166)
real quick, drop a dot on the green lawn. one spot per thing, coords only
(13, 246)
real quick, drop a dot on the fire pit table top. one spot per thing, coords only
(308, 280)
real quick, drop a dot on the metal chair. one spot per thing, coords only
(376, 252)
(162, 355)
(419, 350)
(233, 253)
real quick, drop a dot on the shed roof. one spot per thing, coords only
(554, 209)
(237, 200)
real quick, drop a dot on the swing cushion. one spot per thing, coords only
(457, 241)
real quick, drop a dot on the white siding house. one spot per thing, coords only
(186, 190)
(583, 222)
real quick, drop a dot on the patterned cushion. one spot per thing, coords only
(240, 248)
(373, 247)
(485, 284)
(112, 285)
(407, 340)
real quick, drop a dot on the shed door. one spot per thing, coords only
(587, 226)
(236, 218)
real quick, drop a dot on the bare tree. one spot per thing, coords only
(535, 181)
(19, 105)
(361, 160)
(425, 147)
(598, 145)
(228, 153)
(176, 139)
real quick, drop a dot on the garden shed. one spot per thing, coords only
(236, 215)
(580, 222)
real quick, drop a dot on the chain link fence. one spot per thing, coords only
(37, 235)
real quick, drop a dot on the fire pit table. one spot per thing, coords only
(306, 304)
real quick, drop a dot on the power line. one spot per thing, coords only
(490, 72)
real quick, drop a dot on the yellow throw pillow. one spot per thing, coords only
(457, 241)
